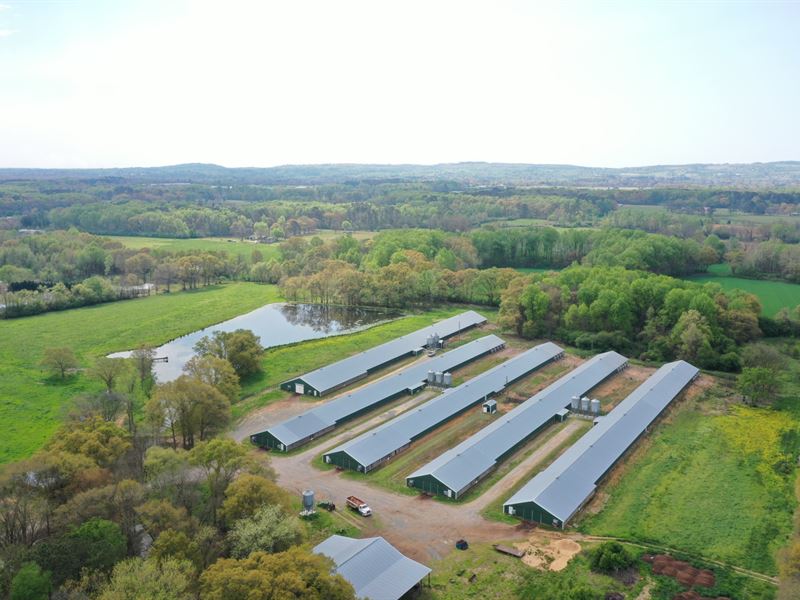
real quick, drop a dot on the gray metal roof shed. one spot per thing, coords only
(460, 467)
(339, 373)
(375, 568)
(323, 417)
(563, 487)
(372, 446)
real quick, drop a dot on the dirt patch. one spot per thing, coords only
(616, 389)
(553, 554)
(681, 571)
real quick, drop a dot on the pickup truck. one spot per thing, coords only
(358, 505)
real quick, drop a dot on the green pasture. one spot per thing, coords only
(774, 295)
(229, 245)
(32, 402)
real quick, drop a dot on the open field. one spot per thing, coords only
(229, 245)
(31, 402)
(774, 295)
(708, 481)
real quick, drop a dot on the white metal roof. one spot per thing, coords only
(329, 414)
(377, 443)
(348, 369)
(563, 487)
(375, 568)
(460, 466)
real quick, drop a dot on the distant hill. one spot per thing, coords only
(774, 174)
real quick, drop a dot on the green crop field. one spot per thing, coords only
(774, 295)
(229, 245)
(32, 403)
(712, 482)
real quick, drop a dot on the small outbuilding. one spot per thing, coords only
(376, 569)
(490, 406)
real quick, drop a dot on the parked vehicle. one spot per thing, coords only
(329, 506)
(358, 505)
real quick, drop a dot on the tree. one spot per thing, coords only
(763, 355)
(101, 441)
(216, 372)
(31, 583)
(242, 348)
(106, 405)
(101, 543)
(270, 529)
(189, 408)
(59, 360)
(109, 370)
(220, 460)
(610, 557)
(158, 516)
(757, 384)
(168, 474)
(294, 574)
(143, 361)
(201, 548)
(247, 494)
(137, 579)
(691, 336)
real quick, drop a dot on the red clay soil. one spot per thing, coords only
(683, 573)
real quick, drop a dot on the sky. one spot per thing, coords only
(612, 84)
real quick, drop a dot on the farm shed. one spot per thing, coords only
(371, 449)
(557, 493)
(376, 569)
(315, 422)
(453, 473)
(338, 374)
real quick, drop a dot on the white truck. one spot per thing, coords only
(358, 505)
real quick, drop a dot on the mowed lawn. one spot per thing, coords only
(32, 403)
(718, 486)
(774, 295)
(229, 245)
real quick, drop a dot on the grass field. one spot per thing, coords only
(223, 244)
(774, 295)
(31, 402)
(712, 481)
(229, 245)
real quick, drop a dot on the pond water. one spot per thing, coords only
(275, 324)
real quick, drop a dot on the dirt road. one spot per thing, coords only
(421, 527)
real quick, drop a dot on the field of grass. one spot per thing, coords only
(774, 295)
(229, 245)
(711, 481)
(31, 402)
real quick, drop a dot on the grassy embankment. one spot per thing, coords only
(32, 402)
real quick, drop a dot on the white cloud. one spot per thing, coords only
(6, 32)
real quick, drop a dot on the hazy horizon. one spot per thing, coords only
(91, 84)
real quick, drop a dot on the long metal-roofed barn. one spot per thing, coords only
(375, 568)
(557, 493)
(338, 374)
(453, 473)
(371, 449)
(315, 422)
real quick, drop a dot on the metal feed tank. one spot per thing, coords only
(595, 405)
(576, 403)
(431, 377)
(308, 500)
(585, 404)
(447, 379)
(439, 377)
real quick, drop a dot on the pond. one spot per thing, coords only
(275, 324)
